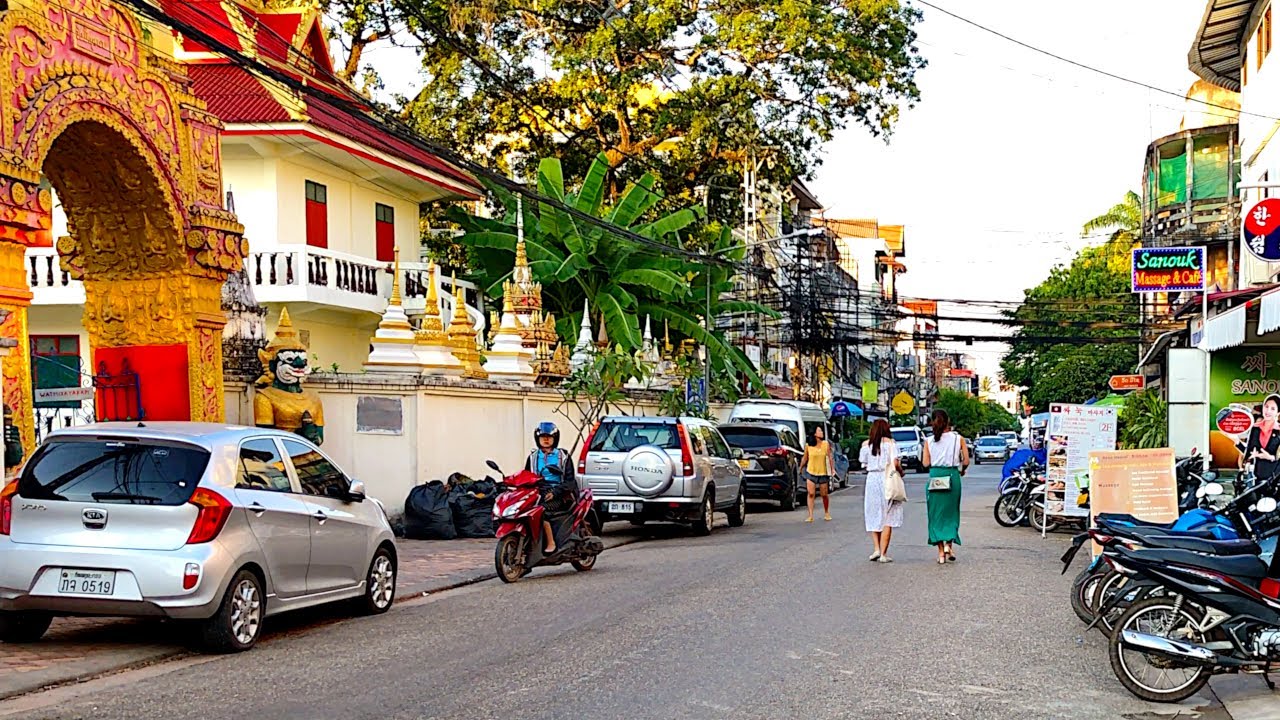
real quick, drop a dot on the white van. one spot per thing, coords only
(802, 417)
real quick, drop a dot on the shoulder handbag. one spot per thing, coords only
(894, 489)
(940, 483)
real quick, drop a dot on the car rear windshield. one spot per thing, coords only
(114, 471)
(991, 441)
(794, 425)
(905, 436)
(751, 438)
(625, 437)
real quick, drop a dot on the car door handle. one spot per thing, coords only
(320, 516)
(604, 461)
(257, 509)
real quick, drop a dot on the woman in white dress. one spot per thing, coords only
(879, 453)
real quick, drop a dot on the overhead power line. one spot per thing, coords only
(1090, 68)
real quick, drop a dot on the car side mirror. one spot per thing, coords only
(493, 466)
(356, 492)
(1266, 505)
(737, 453)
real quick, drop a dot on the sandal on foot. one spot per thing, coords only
(827, 517)
(885, 559)
(808, 519)
(874, 557)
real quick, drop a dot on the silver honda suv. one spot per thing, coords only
(665, 469)
(222, 526)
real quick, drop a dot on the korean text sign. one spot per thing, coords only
(1074, 432)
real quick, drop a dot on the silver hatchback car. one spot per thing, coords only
(223, 526)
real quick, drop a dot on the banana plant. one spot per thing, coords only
(621, 278)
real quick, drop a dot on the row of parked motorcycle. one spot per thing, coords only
(1186, 600)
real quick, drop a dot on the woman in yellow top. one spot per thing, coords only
(818, 469)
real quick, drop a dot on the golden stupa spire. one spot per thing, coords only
(395, 278)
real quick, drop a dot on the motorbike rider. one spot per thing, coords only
(563, 488)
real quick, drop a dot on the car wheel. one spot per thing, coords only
(706, 516)
(738, 513)
(23, 626)
(238, 622)
(380, 585)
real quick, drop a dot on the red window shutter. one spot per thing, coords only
(317, 224)
(385, 235)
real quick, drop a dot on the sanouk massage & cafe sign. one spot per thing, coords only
(1171, 269)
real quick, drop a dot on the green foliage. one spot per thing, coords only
(1144, 421)
(972, 417)
(686, 86)
(591, 390)
(622, 279)
(1089, 299)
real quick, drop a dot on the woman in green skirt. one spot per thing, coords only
(947, 457)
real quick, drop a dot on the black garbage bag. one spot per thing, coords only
(427, 515)
(472, 511)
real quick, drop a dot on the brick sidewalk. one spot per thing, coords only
(77, 649)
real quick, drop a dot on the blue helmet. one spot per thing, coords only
(547, 428)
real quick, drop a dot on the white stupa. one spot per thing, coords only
(392, 344)
(431, 342)
(583, 351)
(506, 359)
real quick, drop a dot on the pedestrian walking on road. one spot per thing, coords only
(947, 458)
(818, 469)
(878, 454)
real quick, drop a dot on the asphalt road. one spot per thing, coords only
(778, 619)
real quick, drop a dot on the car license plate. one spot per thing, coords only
(744, 464)
(622, 507)
(86, 582)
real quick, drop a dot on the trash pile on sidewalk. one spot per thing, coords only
(459, 507)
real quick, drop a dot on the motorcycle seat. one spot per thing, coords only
(1219, 548)
(1144, 532)
(1126, 519)
(1241, 566)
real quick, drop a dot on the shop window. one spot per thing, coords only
(55, 363)
(385, 232)
(317, 215)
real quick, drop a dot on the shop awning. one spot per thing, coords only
(1269, 312)
(1225, 330)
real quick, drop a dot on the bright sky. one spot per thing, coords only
(1008, 151)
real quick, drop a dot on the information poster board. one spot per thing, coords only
(1074, 432)
(1141, 483)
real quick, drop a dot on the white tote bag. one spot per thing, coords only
(895, 490)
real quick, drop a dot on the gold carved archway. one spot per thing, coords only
(135, 160)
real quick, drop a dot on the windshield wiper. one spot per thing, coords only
(106, 496)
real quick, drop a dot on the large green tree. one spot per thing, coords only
(1078, 327)
(622, 278)
(685, 88)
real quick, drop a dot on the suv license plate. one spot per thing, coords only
(86, 582)
(623, 507)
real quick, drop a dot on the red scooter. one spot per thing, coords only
(518, 513)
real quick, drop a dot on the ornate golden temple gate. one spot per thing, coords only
(134, 157)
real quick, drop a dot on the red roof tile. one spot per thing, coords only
(234, 95)
(207, 15)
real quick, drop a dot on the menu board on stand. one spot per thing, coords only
(1141, 483)
(1075, 431)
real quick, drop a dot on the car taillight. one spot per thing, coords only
(214, 511)
(6, 506)
(582, 458)
(686, 453)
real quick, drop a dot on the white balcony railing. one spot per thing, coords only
(49, 283)
(293, 274)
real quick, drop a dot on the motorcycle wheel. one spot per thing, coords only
(1009, 510)
(1082, 591)
(587, 563)
(1039, 521)
(509, 558)
(1152, 676)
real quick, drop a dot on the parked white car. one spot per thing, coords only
(221, 526)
